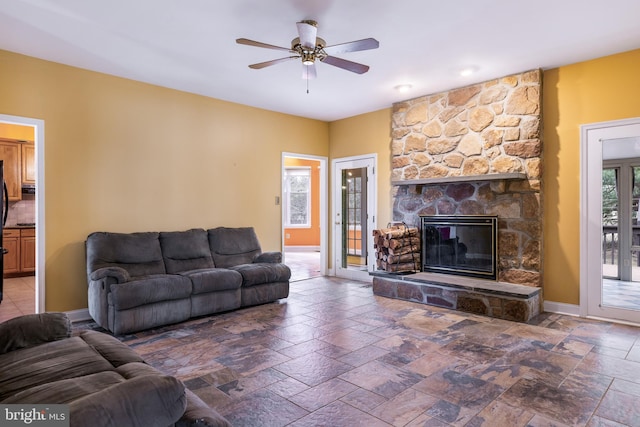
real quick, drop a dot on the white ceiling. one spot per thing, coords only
(190, 45)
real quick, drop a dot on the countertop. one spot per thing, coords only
(18, 227)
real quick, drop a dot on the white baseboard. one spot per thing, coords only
(562, 308)
(78, 315)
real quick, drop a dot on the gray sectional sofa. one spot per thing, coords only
(104, 382)
(143, 280)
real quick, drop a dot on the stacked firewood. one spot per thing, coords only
(397, 248)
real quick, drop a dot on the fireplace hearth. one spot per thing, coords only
(463, 245)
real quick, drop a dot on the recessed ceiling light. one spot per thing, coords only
(404, 88)
(467, 71)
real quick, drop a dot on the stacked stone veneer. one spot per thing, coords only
(477, 131)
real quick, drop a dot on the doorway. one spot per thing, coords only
(610, 189)
(38, 132)
(354, 213)
(304, 218)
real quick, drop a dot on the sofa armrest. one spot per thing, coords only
(269, 257)
(199, 414)
(120, 274)
(149, 400)
(33, 329)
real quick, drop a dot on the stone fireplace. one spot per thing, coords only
(473, 151)
(476, 151)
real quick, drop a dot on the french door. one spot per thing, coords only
(610, 237)
(354, 216)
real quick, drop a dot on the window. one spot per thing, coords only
(297, 198)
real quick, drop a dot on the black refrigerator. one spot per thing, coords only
(4, 209)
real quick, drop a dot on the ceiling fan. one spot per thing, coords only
(309, 48)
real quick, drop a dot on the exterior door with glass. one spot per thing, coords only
(354, 216)
(610, 269)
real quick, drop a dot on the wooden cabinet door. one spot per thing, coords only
(28, 164)
(11, 242)
(11, 153)
(27, 254)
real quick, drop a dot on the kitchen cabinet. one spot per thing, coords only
(11, 242)
(21, 256)
(27, 250)
(11, 154)
(29, 163)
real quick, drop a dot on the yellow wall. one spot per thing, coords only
(588, 92)
(306, 236)
(366, 134)
(126, 156)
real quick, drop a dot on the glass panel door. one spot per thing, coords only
(620, 234)
(610, 156)
(354, 217)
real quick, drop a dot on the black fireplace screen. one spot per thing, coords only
(462, 245)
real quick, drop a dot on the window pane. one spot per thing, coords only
(297, 199)
(299, 184)
(298, 209)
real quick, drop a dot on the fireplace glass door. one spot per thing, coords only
(460, 245)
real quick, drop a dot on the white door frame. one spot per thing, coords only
(336, 189)
(592, 137)
(323, 204)
(38, 126)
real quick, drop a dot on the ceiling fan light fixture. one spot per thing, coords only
(308, 58)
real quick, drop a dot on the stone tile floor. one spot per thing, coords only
(333, 354)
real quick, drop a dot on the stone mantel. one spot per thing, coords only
(456, 179)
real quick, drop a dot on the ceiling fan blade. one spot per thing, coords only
(260, 44)
(307, 31)
(364, 44)
(346, 65)
(309, 72)
(260, 65)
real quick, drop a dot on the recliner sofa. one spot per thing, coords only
(104, 382)
(144, 280)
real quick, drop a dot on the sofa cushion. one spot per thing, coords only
(150, 289)
(185, 250)
(213, 280)
(67, 390)
(260, 273)
(233, 246)
(53, 361)
(138, 253)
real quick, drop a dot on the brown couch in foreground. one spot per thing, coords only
(104, 382)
